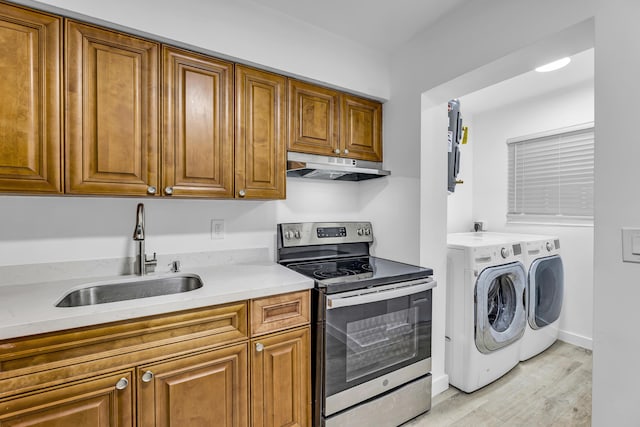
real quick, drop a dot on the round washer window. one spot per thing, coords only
(501, 302)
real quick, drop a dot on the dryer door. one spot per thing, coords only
(545, 291)
(500, 318)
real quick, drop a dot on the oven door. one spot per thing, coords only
(375, 340)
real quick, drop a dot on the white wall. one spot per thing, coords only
(246, 31)
(53, 229)
(570, 106)
(617, 205)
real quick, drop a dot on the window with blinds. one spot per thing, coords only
(551, 176)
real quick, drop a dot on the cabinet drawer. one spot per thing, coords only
(279, 312)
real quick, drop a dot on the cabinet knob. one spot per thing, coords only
(346, 151)
(337, 151)
(151, 189)
(122, 383)
(168, 191)
(147, 376)
(259, 346)
(242, 193)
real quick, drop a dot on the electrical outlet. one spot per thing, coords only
(217, 229)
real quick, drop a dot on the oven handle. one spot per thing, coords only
(373, 295)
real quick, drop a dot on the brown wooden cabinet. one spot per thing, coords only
(328, 122)
(189, 368)
(314, 119)
(198, 125)
(106, 401)
(111, 126)
(260, 146)
(361, 131)
(30, 110)
(281, 380)
(205, 389)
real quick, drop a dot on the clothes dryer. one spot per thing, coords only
(544, 294)
(486, 315)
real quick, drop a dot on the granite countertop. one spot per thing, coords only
(29, 309)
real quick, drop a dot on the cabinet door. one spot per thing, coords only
(198, 125)
(260, 134)
(280, 380)
(103, 402)
(314, 119)
(206, 389)
(112, 112)
(361, 132)
(30, 110)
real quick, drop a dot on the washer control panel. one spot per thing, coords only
(322, 233)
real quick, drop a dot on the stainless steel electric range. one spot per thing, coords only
(371, 331)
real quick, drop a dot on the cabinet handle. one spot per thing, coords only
(242, 193)
(259, 346)
(151, 189)
(346, 151)
(122, 383)
(168, 191)
(147, 376)
(337, 151)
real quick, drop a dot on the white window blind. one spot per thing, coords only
(551, 176)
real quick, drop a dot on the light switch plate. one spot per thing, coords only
(630, 244)
(217, 229)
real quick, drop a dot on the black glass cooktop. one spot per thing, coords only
(358, 272)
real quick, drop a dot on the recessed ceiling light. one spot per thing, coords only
(555, 65)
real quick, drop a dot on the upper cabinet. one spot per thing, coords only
(327, 122)
(198, 125)
(30, 111)
(111, 126)
(260, 149)
(361, 131)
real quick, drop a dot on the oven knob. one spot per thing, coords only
(287, 235)
(360, 231)
(367, 231)
(504, 252)
(549, 246)
(296, 234)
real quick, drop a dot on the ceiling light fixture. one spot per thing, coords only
(555, 65)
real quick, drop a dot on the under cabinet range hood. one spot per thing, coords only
(303, 165)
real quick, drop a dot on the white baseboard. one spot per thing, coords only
(575, 339)
(439, 385)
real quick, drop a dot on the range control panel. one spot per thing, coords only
(323, 233)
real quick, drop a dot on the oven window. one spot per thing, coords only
(381, 341)
(365, 341)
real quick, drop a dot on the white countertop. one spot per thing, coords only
(29, 309)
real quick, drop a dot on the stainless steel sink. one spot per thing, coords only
(133, 288)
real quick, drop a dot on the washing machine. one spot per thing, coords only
(544, 294)
(486, 315)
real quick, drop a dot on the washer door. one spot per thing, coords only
(545, 291)
(499, 309)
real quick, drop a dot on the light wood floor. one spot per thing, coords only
(551, 389)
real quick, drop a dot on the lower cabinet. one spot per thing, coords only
(106, 401)
(281, 380)
(204, 389)
(201, 367)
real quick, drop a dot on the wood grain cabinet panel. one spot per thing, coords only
(207, 389)
(111, 88)
(279, 312)
(280, 381)
(106, 401)
(314, 119)
(361, 132)
(260, 134)
(198, 125)
(30, 110)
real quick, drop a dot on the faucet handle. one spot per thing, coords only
(175, 266)
(152, 261)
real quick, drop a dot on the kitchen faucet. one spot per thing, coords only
(142, 262)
